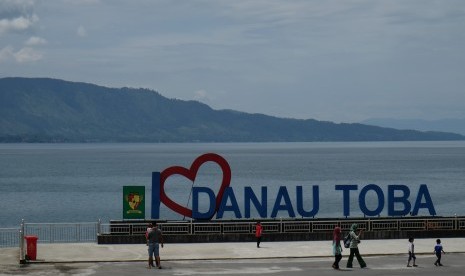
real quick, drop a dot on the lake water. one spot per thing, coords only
(84, 182)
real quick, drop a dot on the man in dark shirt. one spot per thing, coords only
(154, 239)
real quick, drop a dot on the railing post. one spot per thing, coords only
(51, 233)
(99, 227)
(78, 232)
(22, 227)
(22, 258)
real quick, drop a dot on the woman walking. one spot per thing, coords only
(355, 240)
(258, 233)
(337, 249)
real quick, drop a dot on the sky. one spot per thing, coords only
(331, 60)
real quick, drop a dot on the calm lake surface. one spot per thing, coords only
(84, 182)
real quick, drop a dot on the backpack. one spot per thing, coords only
(347, 240)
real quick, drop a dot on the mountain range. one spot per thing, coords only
(445, 125)
(52, 110)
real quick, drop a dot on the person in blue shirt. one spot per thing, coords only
(438, 250)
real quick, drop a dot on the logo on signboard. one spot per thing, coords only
(133, 202)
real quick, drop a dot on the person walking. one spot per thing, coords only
(149, 229)
(355, 240)
(154, 239)
(337, 248)
(411, 252)
(258, 233)
(438, 250)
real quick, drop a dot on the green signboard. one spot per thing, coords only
(133, 202)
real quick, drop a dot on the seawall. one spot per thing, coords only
(286, 230)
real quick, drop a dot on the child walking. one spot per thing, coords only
(411, 252)
(438, 250)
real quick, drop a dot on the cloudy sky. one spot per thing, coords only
(334, 60)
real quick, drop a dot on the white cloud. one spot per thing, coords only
(34, 41)
(6, 53)
(17, 24)
(27, 54)
(81, 31)
(200, 94)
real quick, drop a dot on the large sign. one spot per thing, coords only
(133, 202)
(398, 197)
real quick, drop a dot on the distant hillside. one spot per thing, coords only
(49, 110)
(445, 125)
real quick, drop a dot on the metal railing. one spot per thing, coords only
(88, 232)
(63, 232)
(287, 226)
(9, 237)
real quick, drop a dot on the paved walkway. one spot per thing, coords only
(89, 252)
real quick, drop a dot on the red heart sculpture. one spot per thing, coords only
(191, 174)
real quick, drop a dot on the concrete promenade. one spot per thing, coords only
(90, 252)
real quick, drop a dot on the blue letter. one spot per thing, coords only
(346, 189)
(362, 200)
(250, 196)
(300, 204)
(195, 203)
(423, 192)
(155, 195)
(392, 200)
(228, 193)
(283, 194)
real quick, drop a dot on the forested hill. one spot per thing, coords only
(50, 110)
